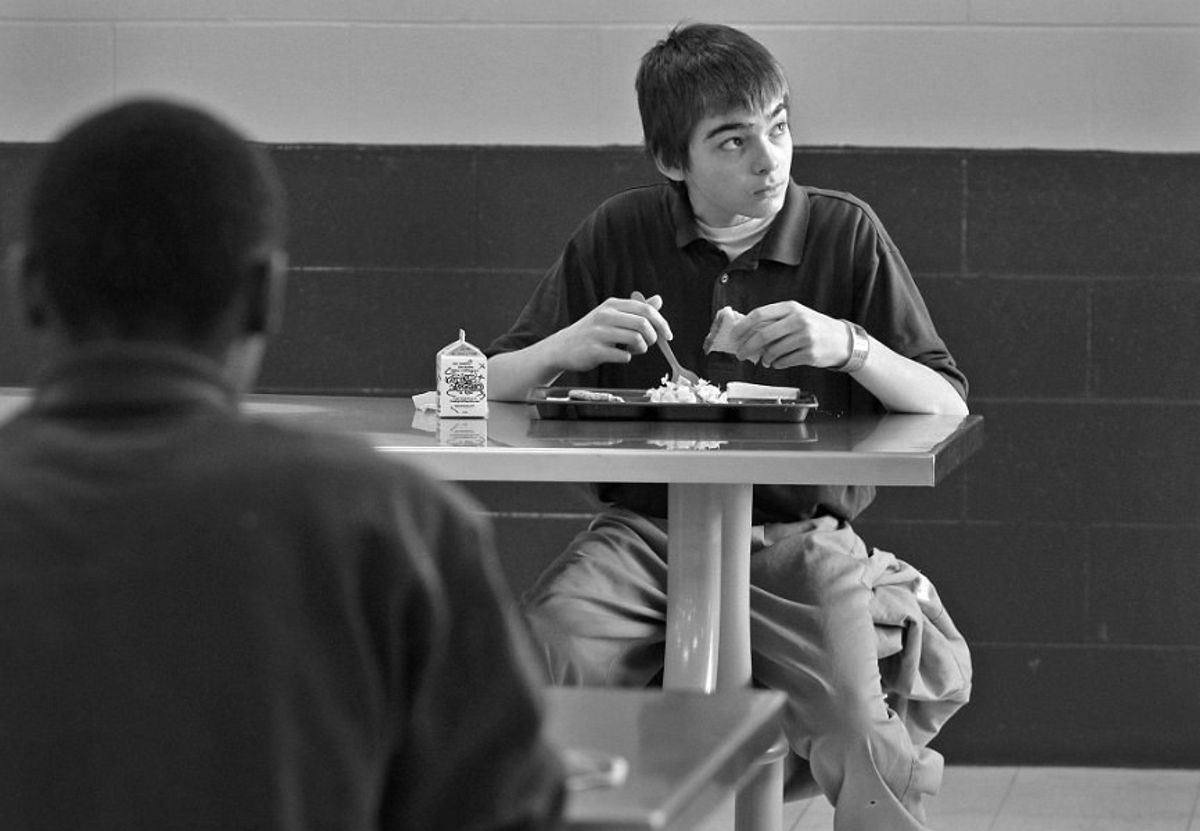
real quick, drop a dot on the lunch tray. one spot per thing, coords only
(553, 403)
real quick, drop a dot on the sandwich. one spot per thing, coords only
(720, 334)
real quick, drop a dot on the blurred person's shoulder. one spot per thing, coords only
(324, 465)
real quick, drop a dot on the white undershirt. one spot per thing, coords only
(736, 239)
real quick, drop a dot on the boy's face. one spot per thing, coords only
(739, 165)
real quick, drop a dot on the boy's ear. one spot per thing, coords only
(675, 174)
(265, 284)
(25, 286)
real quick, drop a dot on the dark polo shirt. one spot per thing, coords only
(825, 249)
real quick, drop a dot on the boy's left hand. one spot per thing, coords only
(787, 333)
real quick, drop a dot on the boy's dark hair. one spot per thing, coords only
(143, 218)
(701, 69)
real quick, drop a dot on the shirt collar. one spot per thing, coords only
(686, 229)
(127, 377)
(784, 241)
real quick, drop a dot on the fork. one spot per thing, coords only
(678, 372)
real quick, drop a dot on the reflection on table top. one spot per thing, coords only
(685, 751)
(512, 444)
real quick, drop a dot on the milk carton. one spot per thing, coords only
(462, 380)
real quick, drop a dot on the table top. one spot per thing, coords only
(513, 444)
(686, 751)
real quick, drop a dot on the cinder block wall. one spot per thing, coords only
(1038, 163)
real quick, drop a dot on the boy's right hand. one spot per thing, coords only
(613, 332)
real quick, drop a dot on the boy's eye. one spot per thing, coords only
(779, 129)
(732, 143)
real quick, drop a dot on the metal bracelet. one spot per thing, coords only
(860, 347)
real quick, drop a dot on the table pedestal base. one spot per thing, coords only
(708, 617)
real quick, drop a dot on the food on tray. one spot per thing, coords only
(594, 395)
(669, 402)
(745, 391)
(684, 391)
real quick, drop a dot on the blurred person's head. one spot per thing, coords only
(155, 221)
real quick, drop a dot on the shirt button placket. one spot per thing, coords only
(721, 292)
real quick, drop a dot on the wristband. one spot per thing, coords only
(860, 347)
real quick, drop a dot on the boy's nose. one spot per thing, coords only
(766, 159)
(766, 162)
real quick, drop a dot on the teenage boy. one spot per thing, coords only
(206, 620)
(858, 639)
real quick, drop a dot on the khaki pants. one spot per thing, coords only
(870, 660)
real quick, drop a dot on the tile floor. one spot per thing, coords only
(1037, 799)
